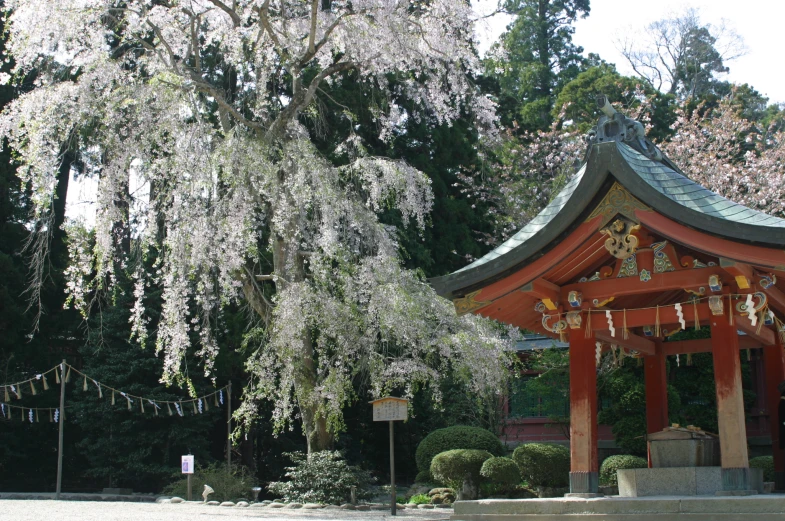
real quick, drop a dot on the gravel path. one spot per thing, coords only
(37, 510)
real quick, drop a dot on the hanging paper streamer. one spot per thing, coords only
(17, 391)
(178, 408)
(610, 322)
(221, 394)
(84, 384)
(46, 385)
(57, 415)
(2, 408)
(680, 315)
(32, 388)
(30, 415)
(100, 394)
(677, 361)
(751, 310)
(199, 403)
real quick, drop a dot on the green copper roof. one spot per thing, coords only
(658, 184)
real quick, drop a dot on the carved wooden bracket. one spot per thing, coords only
(621, 243)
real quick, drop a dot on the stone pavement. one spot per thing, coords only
(38, 510)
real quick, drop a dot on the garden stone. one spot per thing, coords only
(364, 508)
(400, 506)
(242, 504)
(227, 504)
(276, 505)
(163, 500)
(259, 505)
(444, 505)
(266, 502)
(294, 505)
(443, 490)
(348, 506)
(312, 506)
(177, 500)
(425, 506)
(213, 503)
(332, 507)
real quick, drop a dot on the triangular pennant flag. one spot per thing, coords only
(169, 408)
(112, 396)
(50, 416)
(46, 385)
(57, 376)
(36, 416)
(141, 405)
(7, 398)
(206, 404)
(215, 395)
(129, 402)
(84, 384)
(18, 390)
(100, 394)
(194, 404)
(32, 388)
(68, 375)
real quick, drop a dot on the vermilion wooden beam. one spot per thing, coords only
(543, 290)
(756, 255)
(673, 280)
(774, 365)
(647, 317)
(765, 337)
(703, 345)
(776, 298)
(537, 268)
(638, 343)
(740, 271)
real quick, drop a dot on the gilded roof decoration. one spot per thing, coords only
(617, 201)
(468, 304)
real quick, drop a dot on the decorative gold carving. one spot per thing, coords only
(629, 267)
(716, 305)
(621, 243)
(574, 319)
(662, 262)
(467, 304)
(617, 201)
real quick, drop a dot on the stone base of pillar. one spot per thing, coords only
(736, 493)
(587, 495)
(779, 481)
(737, 480)
(584, 483)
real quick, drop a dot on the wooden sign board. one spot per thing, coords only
(390, 408)
(187, 463)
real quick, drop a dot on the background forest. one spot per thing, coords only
(727, 137)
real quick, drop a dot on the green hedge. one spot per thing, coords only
(543, 464)
(457, 437)
(620, 461)
(767, 464)
(452, 466)
(503, 471)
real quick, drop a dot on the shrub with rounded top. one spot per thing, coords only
(620, 461)
(501, 470)
(424, 476)
(456, 437)
(452, 467)
(766, 463)
(543, 464)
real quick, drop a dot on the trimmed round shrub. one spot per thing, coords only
(620, 461)
(424, 476)
(456, 437)
(452, 466)
(543, 464)
(503, 471)
(767, 464)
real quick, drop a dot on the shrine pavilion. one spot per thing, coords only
(628, 253)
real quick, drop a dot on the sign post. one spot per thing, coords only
(61, 414)
(391, 409)
(187, 463)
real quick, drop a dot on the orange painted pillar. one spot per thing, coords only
(730, 405)
(584, 477)
(774, 366)
(656, 391)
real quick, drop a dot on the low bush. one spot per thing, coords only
(228, 484)
(767, 464)
(456, 437)
(500, 470)
(543, 464)
(454, 466)
(619, 461)
(420, 499)
(325, 478)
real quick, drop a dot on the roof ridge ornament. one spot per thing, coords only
(615, 126)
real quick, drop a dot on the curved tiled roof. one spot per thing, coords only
(658, 184)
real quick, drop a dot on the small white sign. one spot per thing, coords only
(188, 464)
(390, 409)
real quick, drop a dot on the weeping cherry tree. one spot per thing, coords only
(201, 104)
